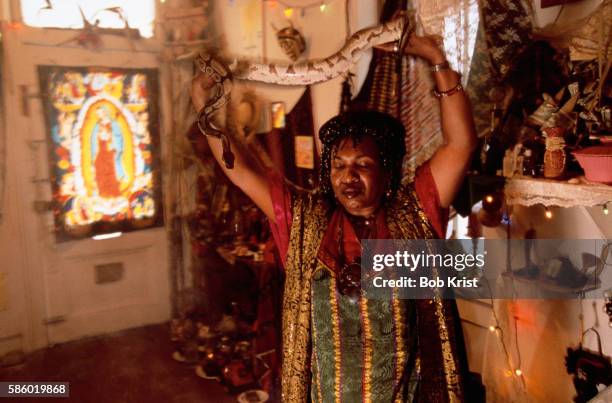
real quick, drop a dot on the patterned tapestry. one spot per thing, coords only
(409, 81)
(504, 31)
(102, 129)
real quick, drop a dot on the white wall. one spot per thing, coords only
(247, 31)
(546, 328)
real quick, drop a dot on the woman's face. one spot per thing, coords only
(357, 176)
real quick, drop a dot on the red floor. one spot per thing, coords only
(130, 366)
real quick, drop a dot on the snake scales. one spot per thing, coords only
(301, 73)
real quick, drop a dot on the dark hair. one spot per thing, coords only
(387, 132)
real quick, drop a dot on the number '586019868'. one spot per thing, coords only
(36, 389)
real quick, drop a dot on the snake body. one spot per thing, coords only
(315, 71)
(300, 73)
(219, 96)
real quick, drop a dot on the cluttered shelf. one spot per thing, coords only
(530, 191)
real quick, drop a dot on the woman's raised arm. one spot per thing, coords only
(450, 162)
(250, 179)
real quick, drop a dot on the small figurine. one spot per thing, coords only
(291, 41)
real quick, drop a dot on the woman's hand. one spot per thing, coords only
(200, 90)
(425, 47)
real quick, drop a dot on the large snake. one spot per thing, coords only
(301, 73)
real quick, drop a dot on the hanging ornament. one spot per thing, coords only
(345, 97)
(491, 214)
(492, 202)
(291, 41)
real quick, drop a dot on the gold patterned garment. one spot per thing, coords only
(440, 367)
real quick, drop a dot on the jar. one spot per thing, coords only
(554, 157)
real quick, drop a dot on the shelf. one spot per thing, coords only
(528, 191)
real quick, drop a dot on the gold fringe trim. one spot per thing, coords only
(367, 350)
(400, 353)
(337, 346)
(315, 361)
(450, 370)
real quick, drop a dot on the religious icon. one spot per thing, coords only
(103, 150)
(304, 152)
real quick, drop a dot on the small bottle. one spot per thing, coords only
(518, 167)
(529, 165)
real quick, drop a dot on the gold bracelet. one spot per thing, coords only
(440, 67)
(442, 94)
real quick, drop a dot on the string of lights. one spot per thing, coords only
(549, 214)
(289, 8)
(499, 331)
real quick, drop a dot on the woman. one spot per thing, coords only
(337, 345)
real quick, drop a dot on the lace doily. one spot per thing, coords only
(531, 191)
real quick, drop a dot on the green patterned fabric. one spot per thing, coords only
(504, 31)
(507, 26)
(343, 339)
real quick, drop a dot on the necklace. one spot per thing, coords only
(349, 278)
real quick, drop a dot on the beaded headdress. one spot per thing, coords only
(387, 132)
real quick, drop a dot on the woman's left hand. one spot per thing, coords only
(425, 47)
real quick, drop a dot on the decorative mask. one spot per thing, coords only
(291, 41)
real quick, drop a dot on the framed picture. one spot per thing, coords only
(278, 115)
(304, 152)
(102, 130)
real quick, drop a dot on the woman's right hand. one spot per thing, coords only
(200, 90)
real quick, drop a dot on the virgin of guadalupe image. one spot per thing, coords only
(106, 169)
(106, 154)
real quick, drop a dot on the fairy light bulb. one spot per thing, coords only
(518, 372)
(489, 199)
(322, 7)
(605, 209)
(548, 214)
(491, 328)
(288, 12)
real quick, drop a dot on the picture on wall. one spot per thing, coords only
(304, 152)
(103, 133)
(278, 115)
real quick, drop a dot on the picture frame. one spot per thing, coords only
(102, 129)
